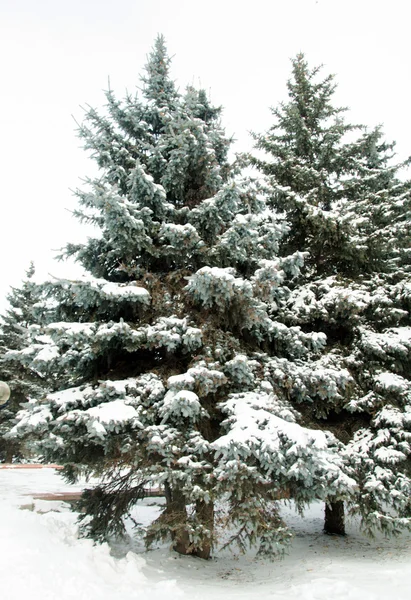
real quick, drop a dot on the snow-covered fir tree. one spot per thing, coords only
(349, 209)
(173, 369)
(23, 381)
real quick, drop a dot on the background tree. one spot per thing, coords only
(348, 208)
(167, 354)
(23, 381)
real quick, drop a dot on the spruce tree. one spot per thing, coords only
(168, 353)
(348, 208)
(23, 381)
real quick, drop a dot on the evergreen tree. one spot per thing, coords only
(22, 380)
(348, 208)
(307, 155)
(167, 353)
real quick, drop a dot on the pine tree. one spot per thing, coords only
(348, 208)
(22, 380)
(167, 353)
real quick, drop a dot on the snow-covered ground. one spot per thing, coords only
(41, 558)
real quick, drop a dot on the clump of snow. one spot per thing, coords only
(392, 342)
(199, 378)
(35, 418)
(183, 403)
(392, 383)
(213, 285)
(47, 354)
(110, 415)
(90, 291)
(179, 382)
(122, 290)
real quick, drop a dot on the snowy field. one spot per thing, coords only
(41, 558)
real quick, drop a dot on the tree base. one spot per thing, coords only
(176, 513)
(334, 523)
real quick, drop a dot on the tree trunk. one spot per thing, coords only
(9, 455)
(177, 517)
(177, 513)
(334, 522)
(205, 514)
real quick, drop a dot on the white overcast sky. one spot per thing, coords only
(58, 55)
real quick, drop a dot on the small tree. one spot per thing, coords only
(23, 381)
(349, 210)
(164, 351)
